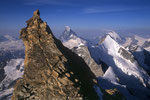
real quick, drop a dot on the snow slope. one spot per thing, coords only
(122, 69)
(115, 36)
(74, 42)
(13, 71)
(138, 45)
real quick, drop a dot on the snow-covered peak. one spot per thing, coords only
(68, 31)
(116, 56)
(110, 45)
(67, 34)
(135, 42)
(67, 28)
(114, 35)
(70, 39)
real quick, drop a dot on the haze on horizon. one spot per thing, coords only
(87, 18)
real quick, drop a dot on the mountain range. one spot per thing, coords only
(71, 67)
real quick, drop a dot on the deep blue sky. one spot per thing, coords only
(86, 17)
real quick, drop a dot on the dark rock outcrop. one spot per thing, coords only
(147, 57)
(126, 54)
(83, 52)
(146, 44)
(52, 72)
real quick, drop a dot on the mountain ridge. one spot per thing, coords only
(55, 67)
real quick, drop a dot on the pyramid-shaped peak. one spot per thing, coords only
(67, 28)
(68, 34)
(106, 37)
(113, 34)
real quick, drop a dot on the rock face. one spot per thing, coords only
(147, 57)
(52, 72)
(146, 44)
(83, 52)
(126, 54)
(80, 46)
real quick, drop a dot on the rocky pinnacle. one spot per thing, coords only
(52, 72)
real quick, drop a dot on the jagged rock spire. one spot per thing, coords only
(36, 13)
(52, 72)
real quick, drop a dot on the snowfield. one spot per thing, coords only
(11, 65)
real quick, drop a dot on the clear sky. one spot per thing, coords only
(86, 17)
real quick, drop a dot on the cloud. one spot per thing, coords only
(47, 2)
(108, 9)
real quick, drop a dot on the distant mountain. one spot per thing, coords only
(139, 47)
(93, 46)
(119, 64)
(115, 36)
(11, 65)
(70, 39)
(68, 34)
(123, 67)
(4, 38)
(11, 48)
(80, 47)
